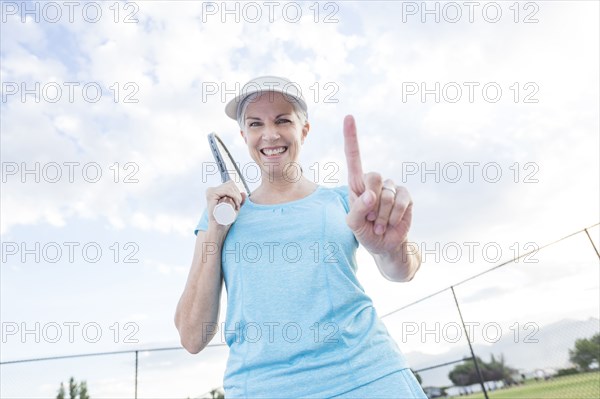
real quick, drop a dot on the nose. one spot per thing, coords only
(270, 133)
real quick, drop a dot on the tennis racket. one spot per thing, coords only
(224, 212)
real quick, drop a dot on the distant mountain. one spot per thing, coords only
(550, 351)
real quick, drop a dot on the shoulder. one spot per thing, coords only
(340, 193)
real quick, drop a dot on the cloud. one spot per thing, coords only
(152, 153)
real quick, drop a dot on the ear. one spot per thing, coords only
(305, 131)
(243, 136)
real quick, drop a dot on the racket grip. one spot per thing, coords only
(224, 212)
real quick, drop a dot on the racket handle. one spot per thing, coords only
(224, 212)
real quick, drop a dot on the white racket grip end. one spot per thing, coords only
(224, 213)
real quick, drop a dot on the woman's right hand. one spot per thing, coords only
(226, 191)
(200, 301)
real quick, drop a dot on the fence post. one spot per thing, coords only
(136, 372)
(592, 242)
(470, 346)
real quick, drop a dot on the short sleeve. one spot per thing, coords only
(203, 223)
(344, 194)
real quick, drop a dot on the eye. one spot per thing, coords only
(283, 120)
(254, 124)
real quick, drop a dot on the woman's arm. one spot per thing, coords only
(197, 312)
(401, 265)
(380, 214)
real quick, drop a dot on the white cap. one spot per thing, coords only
(262, 84)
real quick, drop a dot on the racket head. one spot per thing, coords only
(226, 164)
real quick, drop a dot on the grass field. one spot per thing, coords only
(578, 386)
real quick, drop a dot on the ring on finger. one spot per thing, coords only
(392, 189)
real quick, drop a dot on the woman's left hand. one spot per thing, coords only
(380, 211)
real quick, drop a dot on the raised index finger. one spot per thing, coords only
(355, 173)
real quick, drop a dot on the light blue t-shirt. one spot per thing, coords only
(298, 322)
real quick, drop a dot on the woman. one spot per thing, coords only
(299, 323)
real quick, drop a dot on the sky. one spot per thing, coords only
(488, 114)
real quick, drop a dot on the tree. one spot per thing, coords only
(73, 388)
(497, 370)
(76, 391)
(83, 392)
(417, 376)
(217, 394)
(465, 373)
(61, 392)
(586, 352)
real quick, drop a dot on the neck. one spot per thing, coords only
(285, 185)
(282, 190)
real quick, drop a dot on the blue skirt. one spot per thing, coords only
(398, 385)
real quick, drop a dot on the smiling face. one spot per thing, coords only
(274, 133)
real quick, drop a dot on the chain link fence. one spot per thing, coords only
(503, 333)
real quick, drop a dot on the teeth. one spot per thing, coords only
(273, 151)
